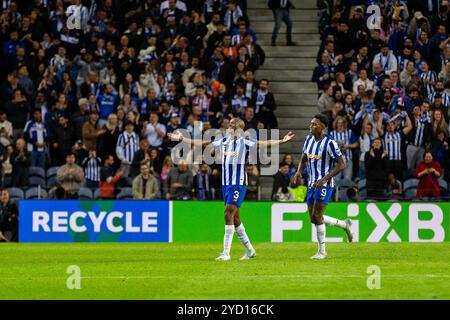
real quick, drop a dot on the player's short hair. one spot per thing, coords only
(322, 118)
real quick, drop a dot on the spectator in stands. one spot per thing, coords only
(438, 123)
(347, 141)
(364, 81)
(265, 105)
(147, 156)
(439, 148)
(7, 167)
(323, 72)
(376, 170)
(92, 130)
(394, 187)
(240, 101)
(109, 178)
(145, 185)
(21, 161)
(107, 103)
(249, 119)
(63, 141)
(154, 131)
(253, 183)
(419, 136)
(281, 179)
(280, 10)
(289, 160)
(179, 183)
(202, 184)
(386, 59)
(326, 101)
(91, 166)
(36, 136)
(17, 111)
(428, 172)
(6, 129)
(392, 140)
(298, 189)
(365, 141)
(9, 218)
(80, 117)
(127, 145)
(70, 176)
(107, 141)
(165, 170)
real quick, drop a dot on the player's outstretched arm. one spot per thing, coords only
(179, 137)
(268, 143)
(301, 165)
(336, 170)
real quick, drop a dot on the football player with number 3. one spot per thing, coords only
(323, 159)
(234, 150)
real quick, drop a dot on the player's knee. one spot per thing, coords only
(315, 218)
(229, 212)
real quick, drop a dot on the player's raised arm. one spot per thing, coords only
(179, 137)
(288, 137)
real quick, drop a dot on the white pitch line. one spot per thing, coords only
(241, 276)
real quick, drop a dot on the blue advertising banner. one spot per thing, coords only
(95, 221)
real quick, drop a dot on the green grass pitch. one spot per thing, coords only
(188, 271)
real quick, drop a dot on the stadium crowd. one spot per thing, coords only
(90, 89)
(384, 83)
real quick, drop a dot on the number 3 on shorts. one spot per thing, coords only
(236, 194)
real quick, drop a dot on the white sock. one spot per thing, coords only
(320, 230)
(242, 235)
(333, 222)
(228, 239)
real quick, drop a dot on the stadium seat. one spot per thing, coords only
(52, 171)
(125, 194)
(96, 194)
(362, 184)
(410, 193)
(7, 181)
(342, 194)
(37, 181)
(51, 181)
(36, 193)
(36, 172)
(363, 193)
(410, 183)
(344, 183)
(16, 193)
(129, 182)
(443, 184)
(85, 194)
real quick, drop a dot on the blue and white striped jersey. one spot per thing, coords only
(92, 168)
(127, 145)
(321, 156)
(392, 142)
(418, 132)
(234, 152)
(35, 132)
(344, 137)
(430, 76)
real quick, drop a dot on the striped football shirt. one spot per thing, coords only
(322, 156)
